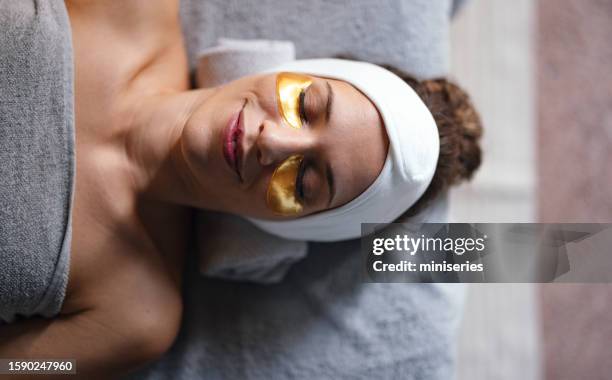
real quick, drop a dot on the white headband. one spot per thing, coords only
(410, 165)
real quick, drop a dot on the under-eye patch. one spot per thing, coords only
(290, 90)
(281, 197)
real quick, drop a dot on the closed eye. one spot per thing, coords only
(302, 107)
(291, 96)
(299, 182)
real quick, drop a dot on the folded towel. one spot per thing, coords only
(233, 248)
(232, 59)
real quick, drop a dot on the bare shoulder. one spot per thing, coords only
(124, 287)
(131, 15)
(106, 340)
(117, 41)
(127, 293)
(123, 311)
(125, 252)
(133, 263)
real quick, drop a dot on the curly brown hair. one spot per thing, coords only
(459, 128)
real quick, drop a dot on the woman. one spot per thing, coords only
(149, 150)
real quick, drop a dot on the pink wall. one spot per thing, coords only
(574, 78)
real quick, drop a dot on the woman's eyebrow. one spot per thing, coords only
(328, 170)
(330, 100)
(330, 184)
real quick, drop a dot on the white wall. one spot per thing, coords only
(493, 58)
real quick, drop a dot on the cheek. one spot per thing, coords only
(257, 192)
(253, 199)
(264, 89)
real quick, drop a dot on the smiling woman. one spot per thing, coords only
(286, 148)
(307, 150)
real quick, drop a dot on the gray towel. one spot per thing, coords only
(409, 34)
(36, 156)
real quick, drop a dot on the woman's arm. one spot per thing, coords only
(104, 343)
(130, 317)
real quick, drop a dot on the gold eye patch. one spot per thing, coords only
(289, 86)
(281, 196)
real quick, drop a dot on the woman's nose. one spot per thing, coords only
(276, 142)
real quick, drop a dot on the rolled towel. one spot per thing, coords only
(232, 59)
(232, 248)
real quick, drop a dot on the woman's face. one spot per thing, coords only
(284, 145)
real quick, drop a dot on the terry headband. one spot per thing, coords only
(408, 169)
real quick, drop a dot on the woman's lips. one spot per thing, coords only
(232, 142)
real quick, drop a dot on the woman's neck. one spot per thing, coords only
(153, 146)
